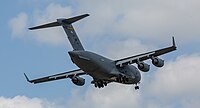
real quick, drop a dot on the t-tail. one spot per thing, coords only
(67, 25)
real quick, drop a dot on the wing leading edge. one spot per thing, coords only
(145, 56)
(59, 76)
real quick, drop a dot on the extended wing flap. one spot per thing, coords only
(63, 75)
(145, 56)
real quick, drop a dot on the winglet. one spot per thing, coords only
(27, 78)
(173, 41)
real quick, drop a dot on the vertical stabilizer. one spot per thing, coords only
(69, 30)
(71, 35)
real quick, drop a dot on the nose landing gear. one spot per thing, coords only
(136, 87)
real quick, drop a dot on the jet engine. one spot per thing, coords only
(78, 80)
(157, 62)
(143, 66)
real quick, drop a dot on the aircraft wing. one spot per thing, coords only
(145, 56)
(59, 76)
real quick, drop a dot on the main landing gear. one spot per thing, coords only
(122, 79)
(99, 84)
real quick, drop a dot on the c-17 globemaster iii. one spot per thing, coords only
(103, 70)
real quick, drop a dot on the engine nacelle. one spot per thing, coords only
(143, 66)
(157, 62)
(78, 81)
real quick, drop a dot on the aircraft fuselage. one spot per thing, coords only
(102, 68)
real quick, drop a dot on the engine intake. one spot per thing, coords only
(78, 80)
(143, 66)
(157, 62)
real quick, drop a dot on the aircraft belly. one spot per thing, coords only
(132, 81)
(95, 65)
(98, 72)
(92, 69)
(102, 74)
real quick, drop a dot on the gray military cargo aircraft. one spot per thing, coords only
(101, 69)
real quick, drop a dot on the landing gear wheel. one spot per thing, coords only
(105, 83)
(120, 79)
(125, 79)
(95, 84)
(136, 87)
(100, 83)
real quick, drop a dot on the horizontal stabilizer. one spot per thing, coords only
(53, 24)
(73, 19)
(60, 22)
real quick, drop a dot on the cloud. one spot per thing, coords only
(175, 85)
(25, 102)
(18, 25)
(52, 12)
(178, 79)
(123, 48)
(126, 24)
(150, 20)
(54, 36)
(113, 95)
